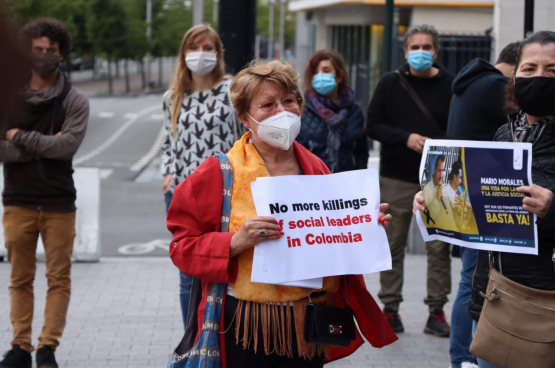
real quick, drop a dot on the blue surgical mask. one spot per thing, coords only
(323, 83)
(421, 60)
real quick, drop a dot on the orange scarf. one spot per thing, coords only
(276, 319)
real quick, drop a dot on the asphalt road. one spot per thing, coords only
(121, 138)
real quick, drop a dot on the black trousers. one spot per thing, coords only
(237, 357)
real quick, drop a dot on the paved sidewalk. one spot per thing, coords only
(125, 313)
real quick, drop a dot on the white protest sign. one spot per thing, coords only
(330, 225)
(260, 274)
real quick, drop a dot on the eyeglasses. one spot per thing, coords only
(287, 103)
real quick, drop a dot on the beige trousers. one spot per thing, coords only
(400, 194)
(22, 227)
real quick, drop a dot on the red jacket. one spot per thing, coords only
(199, 249)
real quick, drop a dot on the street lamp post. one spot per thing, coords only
(271, 30)
(148, 37)
(198, 12)
(282, 29)
(215, 12)
(528, 18)
(387, 37)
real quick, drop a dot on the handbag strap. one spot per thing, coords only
(346, 294)
(418, 101)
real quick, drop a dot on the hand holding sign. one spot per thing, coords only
(418, 203)
(539, 203)
(382, 217)
(254, 231)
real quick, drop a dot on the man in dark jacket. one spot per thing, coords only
(397, 121)
(44, 130)
(476, 113)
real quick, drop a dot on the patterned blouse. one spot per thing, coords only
(207, 126)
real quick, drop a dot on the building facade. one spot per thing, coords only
(468, 29)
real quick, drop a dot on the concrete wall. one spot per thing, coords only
(323, 32)
(445, 19)
(508, 20)
(354, 14)
(454, 19)
(86, 247)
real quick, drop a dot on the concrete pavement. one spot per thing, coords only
(125, 313)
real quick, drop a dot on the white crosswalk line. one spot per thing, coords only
(106, 114)
(157, 117)
(154, 150)
(114, 137)
(105, 173)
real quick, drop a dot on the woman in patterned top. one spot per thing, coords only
(198, 117)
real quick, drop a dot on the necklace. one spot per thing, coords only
(262, 159)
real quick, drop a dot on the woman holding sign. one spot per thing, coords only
(531, 95)
(332, 123)
(261, 325)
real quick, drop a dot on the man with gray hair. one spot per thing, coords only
(409, 106)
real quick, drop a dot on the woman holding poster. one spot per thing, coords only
(261, 324)
(332, 123)
(531, 96)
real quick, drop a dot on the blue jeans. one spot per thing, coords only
(185, 282)
(461, 323)
(481, 363)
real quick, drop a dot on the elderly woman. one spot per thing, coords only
(264, 97)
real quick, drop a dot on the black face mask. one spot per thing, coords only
(45, 64)
(536, 95)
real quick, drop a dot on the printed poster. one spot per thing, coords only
(469, 190)
(330, 225)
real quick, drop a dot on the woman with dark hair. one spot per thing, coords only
(332, 124)
(532, 94)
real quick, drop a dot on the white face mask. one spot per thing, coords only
(201, 63)
(279, 130)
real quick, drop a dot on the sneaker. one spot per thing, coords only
(466, 365)
(45, 358)
(16, 358)
(394, 320)
(437, 325)
(469, 365)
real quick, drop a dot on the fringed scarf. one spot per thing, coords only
(264, 303)
(335, 114)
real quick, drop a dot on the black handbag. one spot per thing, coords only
(329, 325)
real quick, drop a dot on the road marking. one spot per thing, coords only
(142, 248)
(105, 164)
(157, 116)
(130, 115)
(114, 137)
(105, 173)
(154, 150)
(106, 114)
